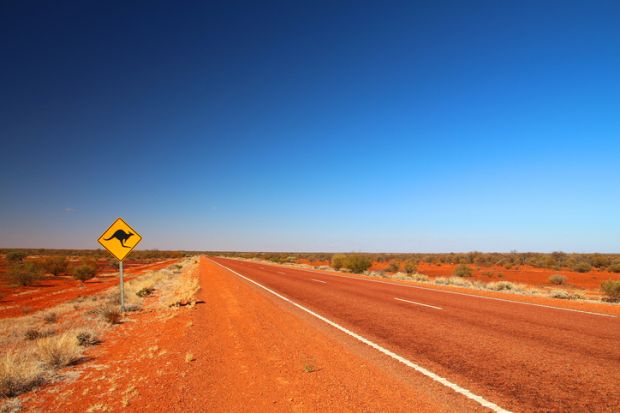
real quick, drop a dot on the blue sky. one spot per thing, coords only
(318, 126)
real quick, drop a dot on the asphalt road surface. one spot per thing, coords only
(517, 357)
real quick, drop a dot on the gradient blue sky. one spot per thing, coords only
(318, 126)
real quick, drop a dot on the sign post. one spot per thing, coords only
(120, 239)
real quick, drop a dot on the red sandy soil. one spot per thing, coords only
(251, 353)
(51, 290)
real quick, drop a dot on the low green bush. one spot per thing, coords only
(358, 263)
(24, 273)
(615, 267)
(410, 267)
(338, 261)
(462, 270)
(611, 289)
(581, 267)
(84, 272)
(16, 256)
(55, 265)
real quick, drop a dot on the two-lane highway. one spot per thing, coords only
(518, 356)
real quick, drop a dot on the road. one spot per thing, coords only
(516, 357)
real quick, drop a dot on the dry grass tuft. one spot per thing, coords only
(111, 314)
(182, 292)
(60, 351)
(189, 357)
(18, 374)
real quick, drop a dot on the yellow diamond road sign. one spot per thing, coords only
(120, 239)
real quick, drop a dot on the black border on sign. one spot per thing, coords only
(129, 226)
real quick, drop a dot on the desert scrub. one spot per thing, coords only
(500, 286)
(50, 318)
(410, 267)
(34, 334)
(87, 338)
(24, 273)
(561, 294)
(457, 281)
(84, 272)
(16, 256)
(111, 314)
(145, 292)
(394, 267)
(462, 270)
(581, 267)
(55, 265)
(338, 261)
(60, 351)
(18, 374)
(557, 279)
(615, 267)
(611, 289)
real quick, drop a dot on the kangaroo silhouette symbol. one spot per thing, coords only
(121, 236)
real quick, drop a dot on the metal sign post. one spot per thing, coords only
(122, 286)
(120, 239)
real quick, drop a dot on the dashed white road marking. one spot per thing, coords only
(455, 387)
(319, 281)
(416, 303)
(280, 272)
(481, 297)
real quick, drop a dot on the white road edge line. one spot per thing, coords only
(415, 302)
(319, 281)
(458, 389)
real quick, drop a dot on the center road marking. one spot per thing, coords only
(280, 272)
(480, 297)
(416, 303)
(319, 281)
(458, 389)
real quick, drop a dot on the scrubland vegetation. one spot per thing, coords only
(35, 347)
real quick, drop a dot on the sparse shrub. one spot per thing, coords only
(611, 289)
(615, 267)
(24, 273)
(557, 279)
(16, 257)
(357, 263)
(84, 272)
(55, 265)
(394, 266)
(462, 270)
(338, 261)
(500, 286)
(420, 277)
(144, 292)
(60, 351)
(87, 338)
(410, 267)
(111, 314)
(581, 267)
(189, 357)
(561, 294)
(32, 334)
(50, 318)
